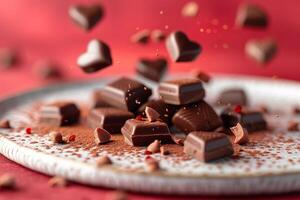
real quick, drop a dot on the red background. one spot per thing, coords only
(42, 29)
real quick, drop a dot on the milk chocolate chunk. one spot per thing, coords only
(126, 94)
(97, 56)
(97, 100)
(196, 117)
(181, 49)
(261, 50)
(250, 15)
(59, 114)
(207, 146)
(251, 120)
(152, 69)
(181, 91)
(233, 96)
(110, 119)
(142, 132)
(86, 16)
(166, 111)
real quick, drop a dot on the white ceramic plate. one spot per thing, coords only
(276, 171)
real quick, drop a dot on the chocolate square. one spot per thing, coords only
(152, 69)
(126, 94)
(181, 91)
(207, 146)
(110, 119)
(233, 97)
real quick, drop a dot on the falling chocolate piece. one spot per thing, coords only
(141, 37)
(204, 77)
(157, 35)
(251, 120)
(59, 114)
(241, 134)
(233, 96)
(207, 146)
(152, 69)
(126, 94)
(152, 115)
(5, 124)
(180, 48)
(166, 111)
(101, 136)
(86, 16)
(196, 117)
(7, 181)
(110, 119)
(190, 9)
(261, 50)
(181, 91)
(96, 57)
(97, 100)
(250, 15)
(8, 58)
(47, 69)
(142, 132)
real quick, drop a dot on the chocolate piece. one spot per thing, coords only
(58, 181)
(47, 69)
(152, 115)
(154, 147)
(166, 111)
(118, 195)
(86, 16)
(196, 117)
(207, 146)
(190, 9)
(141, 37)
(5, 124)
(293, 126)
(101, 136)
(180, 48)
(152, 69)
(233, 97)
(59, 114)
(201, 76)
(181, 91)
(96, 57)
(261, 50)
(157, 35)
(8, 58)
(103, 160)
(126, 94)
(251, 120)
(7, 181)
(110, 119)
(98, 101)
(142, 133)
(241, 134)
(251, 16)
(56, 137)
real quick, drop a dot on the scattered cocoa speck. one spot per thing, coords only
(154, 147)
(5, 124)
(118, 195)
(72, 138)
(56, 137)
(292, 126)
(57, 181)
(103, 160)
(164, 151)
(7, 181)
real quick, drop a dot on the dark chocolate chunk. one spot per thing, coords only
(47, 69)
(196, 117)
(8, 58)
(86, 16)
(126, 94)
(110, 119)
(181, 91)
(152, 69)
(251, 120)
(207, 146)
(59, 114)
(233, 97)
(261, 50)
(141, 37)
(157, 35)
(180, 48)
(250, 15)
(142, 132)
(97, 100)
(96, 57)
(166, 111)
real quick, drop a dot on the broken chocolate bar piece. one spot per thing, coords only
(126, 94)
(262, 50)
(233, 97)
(59, 114)
(207, 146)
(142, 132)
(166, 111)
(196, 117)
(86, 16)
(251, 120)
(180, 48)
(152, 69)
(181, 91)
(110, 119)
(250, 15)
(97, 100)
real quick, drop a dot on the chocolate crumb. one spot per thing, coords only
(293, 126)
(103, 160)
(118, 195)
(58, 181)
(7, 181)
(141, 37)
(56, 137)
(5, 124)
(154, 147)
(164, 151)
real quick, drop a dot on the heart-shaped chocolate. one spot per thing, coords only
(86, 16)
(152, 69)
(180, 48)
(96, 57)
